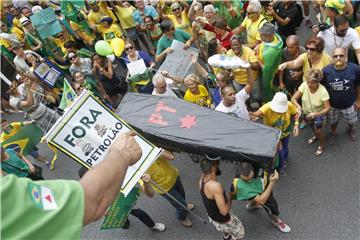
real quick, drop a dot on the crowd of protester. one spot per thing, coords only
(287, 85)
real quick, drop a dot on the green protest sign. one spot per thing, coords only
(120, 209)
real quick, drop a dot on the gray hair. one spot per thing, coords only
(157, 78)
(255, 5)
(293, 38)
(209, 8)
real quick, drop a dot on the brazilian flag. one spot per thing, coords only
(68, 95)
(25, 140)
(272, 56)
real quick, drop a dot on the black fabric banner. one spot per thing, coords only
(177, 125)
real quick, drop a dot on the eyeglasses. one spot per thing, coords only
(311, 49)
(339, 56)
(175, 9)
(129, 48)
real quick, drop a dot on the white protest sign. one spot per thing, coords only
(86, 131)
(137, 67)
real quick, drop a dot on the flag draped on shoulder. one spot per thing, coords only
(25, 140)
(68, 95)
(271, 54)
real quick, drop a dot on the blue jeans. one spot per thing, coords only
(284, 152)
(178, 192)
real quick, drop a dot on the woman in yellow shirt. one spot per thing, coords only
(196, 93)
(314, 58)
(180, 16)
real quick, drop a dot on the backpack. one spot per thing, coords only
(299, 16)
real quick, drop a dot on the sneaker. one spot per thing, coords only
(249, 206)
(352, 134)
(187, 222)
(190, 206)
(283, 227)
(160, 227)
(308, 23)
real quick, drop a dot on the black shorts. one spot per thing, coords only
(271, 205)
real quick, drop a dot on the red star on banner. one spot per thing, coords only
(188, 121)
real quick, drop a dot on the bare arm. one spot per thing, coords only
(146, 188)
(298, 62)
(223, 204)
(102, 183)
(109, 71)
(295, 99)
(264, 196)
(250, 81)
(357, 53)
(185, 6)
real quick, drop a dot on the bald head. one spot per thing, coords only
(292, 39)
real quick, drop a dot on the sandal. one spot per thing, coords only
(319, 151)
(312, 140)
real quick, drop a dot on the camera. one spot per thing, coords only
(323, 26)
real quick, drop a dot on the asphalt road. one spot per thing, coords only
(319, 198)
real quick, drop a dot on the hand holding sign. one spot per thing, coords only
(126, 145)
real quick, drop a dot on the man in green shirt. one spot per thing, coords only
(259, 193)
(169, 34)
(58, 209)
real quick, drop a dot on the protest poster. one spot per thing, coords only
(46, 23)
(86, 131)
(178, 63)
(120, 209)
(48, 72)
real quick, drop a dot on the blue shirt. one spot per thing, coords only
(148, 11)
(341, 85)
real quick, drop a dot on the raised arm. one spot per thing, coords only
(102, 183)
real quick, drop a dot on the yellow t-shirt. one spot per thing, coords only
(112, 32)
(185, 22)
(324, 61)
(95, 17)
(60, 43)
(358, 30)
(18, 33)
(201, 99)
(15, 127)
(252, 28)
(240, 74)
(163, 173)
(17, 23)
(125, 16)
(313, 102)
(279, 121)
(86, 36)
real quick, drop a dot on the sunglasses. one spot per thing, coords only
(250, 13)
(175, 9)
(72, 58)
(311, 49)
(129, 48)
(339, 56)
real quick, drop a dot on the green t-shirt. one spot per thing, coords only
(51, 209)
(165, 42)
(248, 189)
(14, 164)
(222, 10)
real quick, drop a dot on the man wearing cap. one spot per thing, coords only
(97, 11)
(342, 81)
(269, 55)
(258, 191)
(218, 203)
(109, 30)
(234, 103)
(278, 114)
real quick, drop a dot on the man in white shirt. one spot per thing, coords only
(163, 83)
(234, 103)
(341, 35)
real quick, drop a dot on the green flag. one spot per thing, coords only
(25, 140)
(120, 209)
(67, 96)
(272, 57)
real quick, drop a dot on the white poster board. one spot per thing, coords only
(86, 131)
(137, 67)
